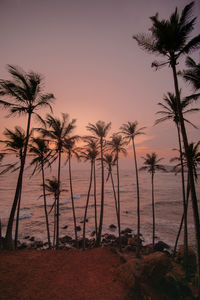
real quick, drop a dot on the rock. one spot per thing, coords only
(65, 239)
(127, 230)
(27, 237)
(93, 233)
(22, 246)
(192, 265)
(78, 228)
(65, 227)
(83, 221)
(112, 226)
(160, 246)
(32, 239)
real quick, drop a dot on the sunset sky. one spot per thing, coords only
(85, 50)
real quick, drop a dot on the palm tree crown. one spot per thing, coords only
(151, 163)
(170, 37)
(130, 131)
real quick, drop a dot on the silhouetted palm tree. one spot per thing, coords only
(116, 145)
(89, 153)
(92, 143)
(192, 74)
(170, 112)
(71, 149)
(170, 38)
(57, 131)
(53, 188)
(100, 130)
(110, 161)
(130, 131)
(25, 98)
(40, 149)
(151, 164)
(15, 144)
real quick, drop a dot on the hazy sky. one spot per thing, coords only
(85, 50)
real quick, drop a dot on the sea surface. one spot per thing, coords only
(168, 204)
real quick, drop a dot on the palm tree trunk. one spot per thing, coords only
(8, 238)
(138, 201)
(95, 200)
(118, 205)
(58, 201)
(182, 219)
(45, 205)
(87, 202)
(153, 208)
(98, 242)
(17, 219)
(190, 169)
(72, 199)
(114, 193)
(55, 221)
(184, 204)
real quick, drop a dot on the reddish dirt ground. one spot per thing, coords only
(76, 275)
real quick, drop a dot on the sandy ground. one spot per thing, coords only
(77, 275)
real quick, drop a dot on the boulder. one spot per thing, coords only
(112, 227)
(161, 246)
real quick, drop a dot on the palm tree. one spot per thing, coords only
(195, 155)
(40, 149)
(110, 161)
(151, 164)
(100, 130)
(192, 74)
(53, 188)
(90, 153)
(15, 144)
(130, 131)
(170, 112)
(71, 149)
(57, 131)
(25, 98)
(116, 145)
(170, 38)
(92, 143)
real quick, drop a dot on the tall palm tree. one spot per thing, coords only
(15, 144)
(130, 131)
(192, 74)
(57, 130)
(40, 149)
(151, 164)
(169, 112)
(116, 145)
(100, 130)
(71, 149)
(89, 153)
(92, 143)
(25, 97)
(170, 38)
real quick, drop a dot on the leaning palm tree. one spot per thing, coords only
(15, 144)
(25, 97)
(71, 149)
(88, 153)
(42, 155)
(169, 112)
(116, 145)
(170, 38)
(151, 164)
(57, 130)
(92, 143)
(130, 131)
(100, 130)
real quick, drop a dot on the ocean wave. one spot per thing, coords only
(25, 216)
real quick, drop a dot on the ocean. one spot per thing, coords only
(168, 204)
